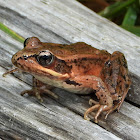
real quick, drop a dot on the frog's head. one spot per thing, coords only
(41, 59)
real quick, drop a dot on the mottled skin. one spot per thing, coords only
(78, 68)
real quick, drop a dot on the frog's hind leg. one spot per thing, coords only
(38, 89)
(123, 81)
(122, 98)
(105, 100)
(117, 78)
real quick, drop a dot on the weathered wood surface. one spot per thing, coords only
(62, 21)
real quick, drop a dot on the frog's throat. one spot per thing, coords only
(53, 73)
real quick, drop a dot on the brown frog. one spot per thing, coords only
(78, 68)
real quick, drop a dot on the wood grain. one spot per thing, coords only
(62, 21)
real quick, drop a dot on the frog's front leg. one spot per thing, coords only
(105, 100)
(38, 89)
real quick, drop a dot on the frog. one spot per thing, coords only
(77, 68)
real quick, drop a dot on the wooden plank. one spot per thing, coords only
(46, 20)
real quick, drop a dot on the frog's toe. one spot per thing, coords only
(38, 96)
(37, 92)
(100, 108)
(115, 107)
(89, 110)
(29, 92)
(91, 102)
(33, 92)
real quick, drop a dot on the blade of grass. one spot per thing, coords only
(130, 16)
(133, 29)
(11, 33)
(115, 8)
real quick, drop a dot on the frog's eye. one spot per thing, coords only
(26, 42)
(45, 58)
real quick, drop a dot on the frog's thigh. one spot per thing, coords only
(102, 93)
(97, 84)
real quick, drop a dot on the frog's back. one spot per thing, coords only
(79, 48)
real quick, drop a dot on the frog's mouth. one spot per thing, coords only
(51, 72)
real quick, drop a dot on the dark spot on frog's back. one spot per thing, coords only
(72, 83)
(126, 86)
(124, 77)
(108, 63)
(125, 65)
(75, 61)
(84, 58)
(113, 93)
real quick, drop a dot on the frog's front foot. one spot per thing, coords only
(33, 92)
(100, 108)
(38, 91)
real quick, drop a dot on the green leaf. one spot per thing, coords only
(133, 29)
(130, 16)
(115, 8)
(11, 33)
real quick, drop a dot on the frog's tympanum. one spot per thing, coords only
(78, 68)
